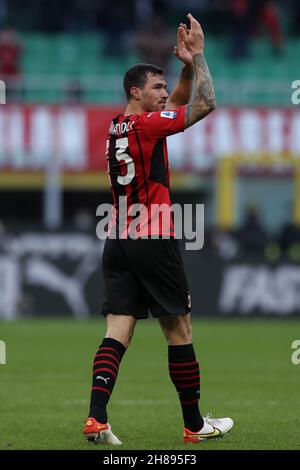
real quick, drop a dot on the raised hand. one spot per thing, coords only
(204, 99)
(181, 51)
(193, 37)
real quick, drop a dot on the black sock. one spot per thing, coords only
(105, 372)
(185, 375)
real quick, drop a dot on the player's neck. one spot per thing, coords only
(133, 108)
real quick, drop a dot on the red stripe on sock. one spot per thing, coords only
(179, 364)
(188, 385)
(181, 379)
(191, 402)
(108, 355)
(106, 362)
(189, 371)
(102, 348)
(102, 390)
(107, 370)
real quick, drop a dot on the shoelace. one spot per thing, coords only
(212, 421)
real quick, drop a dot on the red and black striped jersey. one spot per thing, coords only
(138, 166)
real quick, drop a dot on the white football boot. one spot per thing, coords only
(212, 428)
(100, 433)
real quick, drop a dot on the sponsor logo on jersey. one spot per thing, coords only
(168, 114)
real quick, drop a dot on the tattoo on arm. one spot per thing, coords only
(204, 100)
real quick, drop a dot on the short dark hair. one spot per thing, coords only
(137, 76)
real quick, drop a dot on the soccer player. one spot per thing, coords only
(146, 275)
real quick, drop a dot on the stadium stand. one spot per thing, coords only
(51, 61)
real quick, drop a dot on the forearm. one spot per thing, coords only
(204, 99)
(185, 84)
(183, 89)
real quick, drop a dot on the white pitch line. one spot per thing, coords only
(171, 403)
(143, 402)
(122, 402)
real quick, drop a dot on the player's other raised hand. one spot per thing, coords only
(181, 51)
(193, 37)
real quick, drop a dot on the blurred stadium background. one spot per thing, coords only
(63, 63)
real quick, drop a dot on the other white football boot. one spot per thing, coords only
(212, 428)
(100, 433)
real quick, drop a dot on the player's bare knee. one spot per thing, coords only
(189, 332)
(184, 336)
(177, 329)
(129, 339)
(123, 339)
(120, 328)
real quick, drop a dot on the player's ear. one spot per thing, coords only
(136, 93)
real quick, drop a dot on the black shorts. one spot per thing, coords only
(144, 276)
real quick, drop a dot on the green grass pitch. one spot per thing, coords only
(246, 373)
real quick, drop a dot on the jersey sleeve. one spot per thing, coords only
(160, 124)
